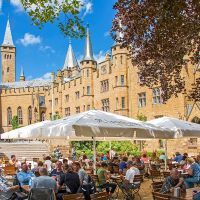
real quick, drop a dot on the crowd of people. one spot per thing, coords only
(68, 176)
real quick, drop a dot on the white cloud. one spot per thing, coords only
(30, 39)
(46, 76)
(87, 7)
(17, 4)
(99, 57)
(46, 48)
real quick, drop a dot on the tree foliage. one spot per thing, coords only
(64, 12)
(15, 123)
(141, 117)
(163, 37)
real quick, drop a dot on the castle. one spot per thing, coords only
(112, 85)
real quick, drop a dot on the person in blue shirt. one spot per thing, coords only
(24, 176)
(178, 157)
(194, 172)
(122, 164)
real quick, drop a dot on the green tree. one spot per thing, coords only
(15, 123)
(141, 117)
(163, 38)
(66, 14)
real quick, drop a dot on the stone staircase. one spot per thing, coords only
(30, 150)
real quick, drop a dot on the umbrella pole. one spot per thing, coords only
(110, 148)
(94, 154)
(166, 154)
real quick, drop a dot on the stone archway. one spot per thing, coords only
(196, 120)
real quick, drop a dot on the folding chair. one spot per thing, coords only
(159, 196)
(155, 175)
(99, 196)
(156, 186)
(78, 196)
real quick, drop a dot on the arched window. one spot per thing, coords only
(121, 59)
(10, 56)
(29, 115)
(7, 69)
(5, 56)
(42, 116)
(9, 116)
(19, 115)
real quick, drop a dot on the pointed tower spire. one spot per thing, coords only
(8, 41)
(22, 72)
(88, 54)
(22, 77)
(70, 59)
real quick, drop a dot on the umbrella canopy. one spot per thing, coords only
(181, 128)
(95, 123)
(23, 132)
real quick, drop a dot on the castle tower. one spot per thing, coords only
(88, 66)
(8, 57)
(22, 76)
(70, 66)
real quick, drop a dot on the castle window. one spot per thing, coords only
(88, 73)
(7, 69)
(122, 80)
(117, 103)
(104, 86)
(42, 117)
(74, 82)
(116, 80)
(10, 56)
(87, 62)
(123, 102)
(77, 109)
(142, 99)
(157, 99)
(5, 56)
(67, 111)
(29, 115)
(19, 115)
(121, 59)
(67, 98)
(9, 116)
(88, 90)
(56, 101)
(105, 105)
(88, 107)
(77, 95)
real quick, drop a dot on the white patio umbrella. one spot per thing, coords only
(23, 132)
(180, 128)
(100, 124)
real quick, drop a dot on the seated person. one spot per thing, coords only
(194, 172)
(24, 176)
(57, 172)
(71, 181)
(139, 164)
(84, 179)
(103, 177)
(172, 181)
(122, 164)
(163, 157)
(128, 182)
(44, 181)
(178, 157)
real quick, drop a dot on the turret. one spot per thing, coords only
(8, 55)
(22, 76)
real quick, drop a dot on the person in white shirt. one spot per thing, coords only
(131, 172)
(48, 163)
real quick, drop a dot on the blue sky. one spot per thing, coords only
(42, 51)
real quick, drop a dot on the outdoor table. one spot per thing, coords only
(187, 195)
